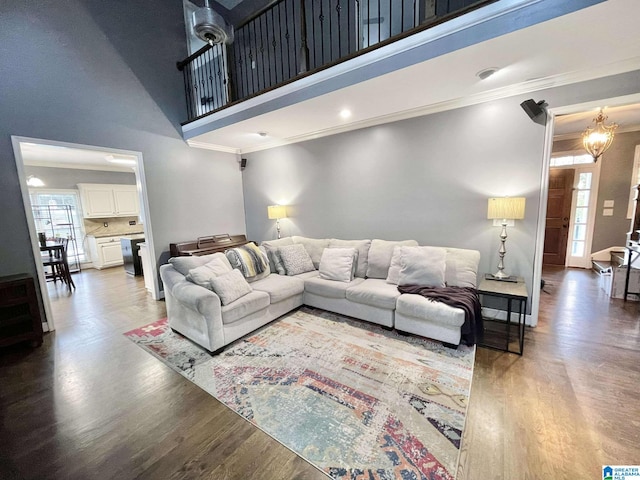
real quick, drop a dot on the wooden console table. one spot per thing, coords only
(20, 319)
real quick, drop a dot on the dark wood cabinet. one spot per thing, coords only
(19, 312)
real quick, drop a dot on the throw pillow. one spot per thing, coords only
(337, 264)
(271, 247)
(380, 255)
(295, 259)
(230, 286)
(186, 263)
(248, 259)
(424, 266)
(313, 246)
(203, 274)
(462, 267)
(363, 252)
(395, 265)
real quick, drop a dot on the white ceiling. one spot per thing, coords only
(594, 42)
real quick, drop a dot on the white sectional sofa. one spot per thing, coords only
(367, 293)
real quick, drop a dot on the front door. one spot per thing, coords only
(558, 215)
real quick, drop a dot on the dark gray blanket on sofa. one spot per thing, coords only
(465, 298)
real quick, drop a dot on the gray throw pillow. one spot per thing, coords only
(380, 255)
(186, 263)
(338, 264)
(295, 259)
(313, 246)
(424, 266)
(271, 247)
(394, 267)
(202, 275)
(363, 252)
(230, 286)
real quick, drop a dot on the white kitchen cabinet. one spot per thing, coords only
(105, 252)
(106, 201)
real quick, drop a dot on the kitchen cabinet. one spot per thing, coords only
(106, 201)
(105, 251)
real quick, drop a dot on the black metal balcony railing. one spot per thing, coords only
(293, 38)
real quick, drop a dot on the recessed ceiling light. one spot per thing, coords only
(262, 134)
(345, 113)
(486, 73)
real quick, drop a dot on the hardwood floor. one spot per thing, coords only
(89, 404)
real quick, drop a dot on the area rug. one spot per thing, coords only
(351, 398)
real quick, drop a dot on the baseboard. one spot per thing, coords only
(495, 314)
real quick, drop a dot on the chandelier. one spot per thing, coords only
(598, 139)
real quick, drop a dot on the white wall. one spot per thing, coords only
(93, 73)
(426, 178)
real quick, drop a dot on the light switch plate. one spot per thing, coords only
(607, 212)
(608, 204)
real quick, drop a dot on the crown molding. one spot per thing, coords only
(212, 146)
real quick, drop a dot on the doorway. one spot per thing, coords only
(68, 160)
(571, 206)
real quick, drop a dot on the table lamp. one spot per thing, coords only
(276, 212)
(504, 209)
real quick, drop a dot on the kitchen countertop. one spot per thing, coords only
(133, 235)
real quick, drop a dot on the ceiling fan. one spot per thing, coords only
(209, 26)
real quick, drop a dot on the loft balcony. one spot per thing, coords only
(293, 39)
(391, 60)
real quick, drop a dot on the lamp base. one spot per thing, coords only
(508, 278)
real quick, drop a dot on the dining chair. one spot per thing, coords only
(57, 260)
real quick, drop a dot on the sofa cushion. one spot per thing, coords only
(380, 254)
(363, 252)
(421, 308)
(202, 275)
(250, 303)
(329, 288)
(295, 259)
(305, 275)
(230, 286)
(313, 246)
(184, 264)
(271, 247)
(338, 264)
(422, 266)
(279, 287)
(375, 292)
(462, 267)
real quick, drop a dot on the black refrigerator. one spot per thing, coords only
(130, 255)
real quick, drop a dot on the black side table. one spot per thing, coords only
(497, 333)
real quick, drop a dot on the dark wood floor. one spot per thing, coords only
(89, 404)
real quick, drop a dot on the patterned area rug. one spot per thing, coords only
(351, 398)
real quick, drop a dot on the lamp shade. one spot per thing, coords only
(276, 211)
(511, 208)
